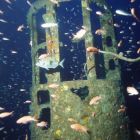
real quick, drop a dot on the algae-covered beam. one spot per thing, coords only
(119, 56)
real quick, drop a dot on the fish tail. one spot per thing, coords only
(129, 15)
(35, 118)
(12, 113)
(61, 63)
(137, 18)
(88, 132)
(58, 4)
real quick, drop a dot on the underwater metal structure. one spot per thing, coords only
(60, 107)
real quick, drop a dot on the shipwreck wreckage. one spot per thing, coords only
(61, 107)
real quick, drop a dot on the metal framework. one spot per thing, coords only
(103, 120)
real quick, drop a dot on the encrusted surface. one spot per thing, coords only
(102, 119)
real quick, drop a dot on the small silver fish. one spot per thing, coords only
(2, 20)
(99, 13)
(1, 128)
(29, 3)
(1, 108)
(123, 13)
(4, 38)
(1, 12)
(8, 1)
(49, 63)
(49, 25)
(20, 28)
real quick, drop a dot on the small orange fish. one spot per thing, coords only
(79, 128)
(95, 100)
(138, 51)
(26, 119)
(92, 49)
(54, 85)
(5, 114)
(100, 31)
(133, 12)
(72, 120)
(116, 25)
(42, 124)
(51, 46)
(121, 110)
(42, 56)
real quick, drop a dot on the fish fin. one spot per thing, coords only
(89, 132)
(46, 68)
(136, 18)
(61, 63)
(58, 5)
(12, 113)
(73, 34)
(35, 118)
